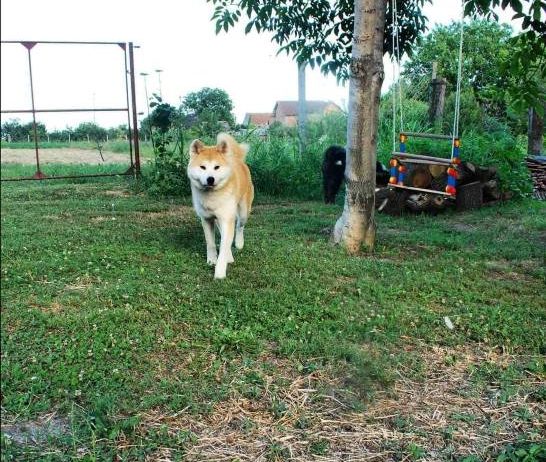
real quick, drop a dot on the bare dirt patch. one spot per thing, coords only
(36, 431)
(62, 156)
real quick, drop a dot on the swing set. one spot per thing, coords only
(402, 162)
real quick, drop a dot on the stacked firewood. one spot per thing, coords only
(537, 167)
(487, 176)
(476, 185)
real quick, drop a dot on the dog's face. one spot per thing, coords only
(209, 167)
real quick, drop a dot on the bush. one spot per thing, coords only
(167, 173)
(505, 153)
(279, 170)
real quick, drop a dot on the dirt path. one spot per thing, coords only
(62, 156)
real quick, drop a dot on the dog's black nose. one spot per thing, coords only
(210, 180)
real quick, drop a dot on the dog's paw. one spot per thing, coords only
(239, 242)
(212, 259)
(230, 258)
(219, 274)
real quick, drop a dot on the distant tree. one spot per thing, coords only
(145, 128)
(164, 116)
(121, 132)
(13, 130)
(58, 135)
(41, 131)
(85, 129)
(206, 109)
(525, 66)
(497, 79)
(485, 47)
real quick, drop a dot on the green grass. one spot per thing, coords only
(27, 171)
(109, 309)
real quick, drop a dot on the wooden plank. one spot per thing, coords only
(406, 155)
(424, 162)
(427, 135)
(410, 188)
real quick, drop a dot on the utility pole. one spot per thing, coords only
(159, 71)
(144, 75)
(302, 109)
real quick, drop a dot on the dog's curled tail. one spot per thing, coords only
(227, 143)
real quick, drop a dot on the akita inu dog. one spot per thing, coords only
(222, 192)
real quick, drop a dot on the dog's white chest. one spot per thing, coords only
(211, 204)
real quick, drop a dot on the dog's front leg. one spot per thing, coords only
(227, 230)
(208, 229)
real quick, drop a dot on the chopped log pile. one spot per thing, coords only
(537, 167)
(476, 186)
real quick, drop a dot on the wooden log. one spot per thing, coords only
(491, 191)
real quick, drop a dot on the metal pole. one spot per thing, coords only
(133, 104)
(128, 112)
(159, 71)
(144, 75)
(302, 110)
(29, 46)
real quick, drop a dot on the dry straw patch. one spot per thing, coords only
(81, 283)
(174, 211)
(440, 414)
(118, 193)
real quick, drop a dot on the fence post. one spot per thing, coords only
(134, 108)
(535, 133)
(302, 109)
(437, 99)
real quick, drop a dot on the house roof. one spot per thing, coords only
(290, 108)
(257, 118)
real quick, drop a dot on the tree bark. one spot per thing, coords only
(535, 133)
(356, 226)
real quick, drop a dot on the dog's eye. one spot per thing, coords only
(203, 167)
(216, 167)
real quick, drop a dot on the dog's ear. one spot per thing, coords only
(196, 147)
(222, 146)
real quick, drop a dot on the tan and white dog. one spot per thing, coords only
(222, 192)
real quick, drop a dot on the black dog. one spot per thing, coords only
(333, 172)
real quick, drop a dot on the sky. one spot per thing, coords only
(176, 37)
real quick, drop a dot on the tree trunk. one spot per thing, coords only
(535, 133)
(356, 226)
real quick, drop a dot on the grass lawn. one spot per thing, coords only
(117, 344)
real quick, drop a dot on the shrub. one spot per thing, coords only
(279, 170)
